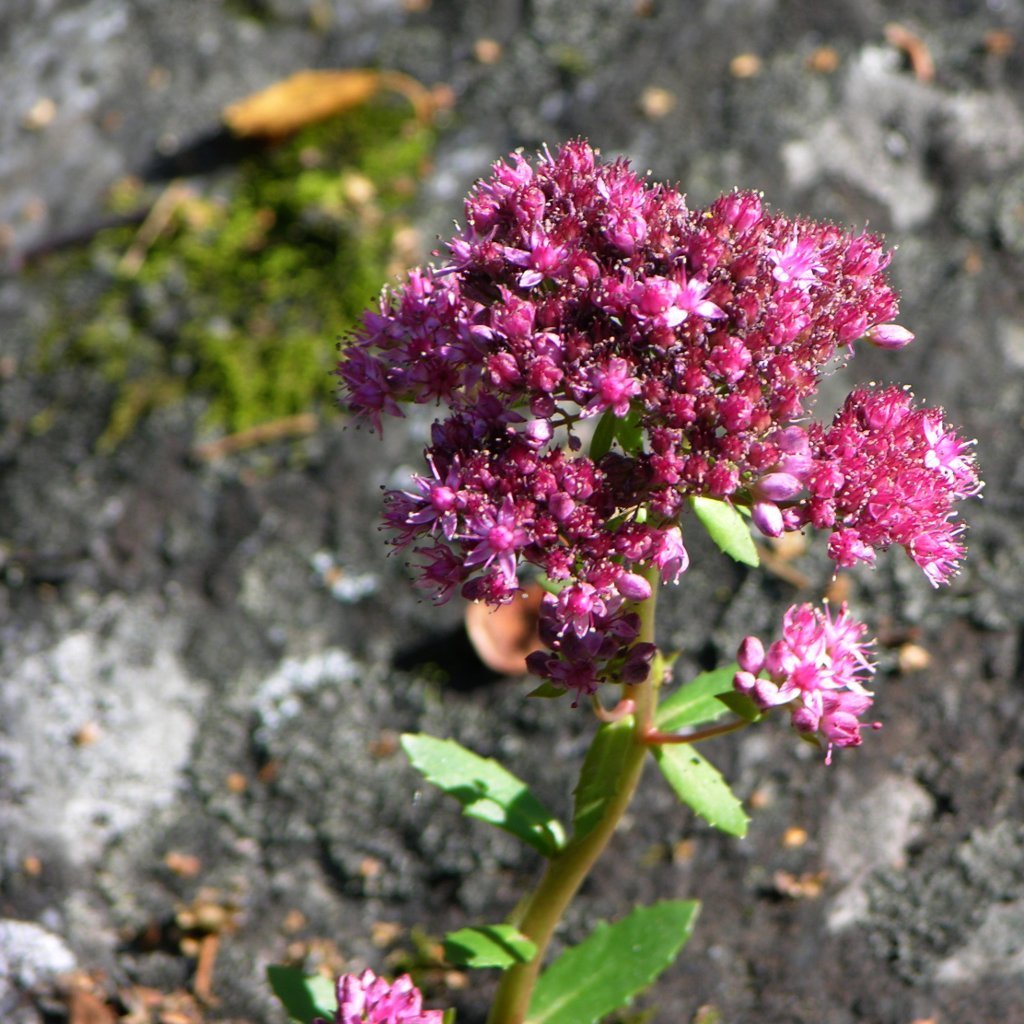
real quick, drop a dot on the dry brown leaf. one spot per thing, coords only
(86, 1008)
(807, 886)
(502, 637)
(310, 96)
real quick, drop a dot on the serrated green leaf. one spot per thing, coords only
(490, 945)
(486, 790)
(740, 704)
(601, 774)
(727, 529)
(612, 965)
(699, 784)
(303, 996)
(696, 702)
(604, 434)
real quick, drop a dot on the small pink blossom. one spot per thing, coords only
(797, 262)
(497, 536)
(818, 669)
(669, 555)
(692, 299)
(578, 605)
(886, 473)
(542, 259)
(614, 387)
(367, 999)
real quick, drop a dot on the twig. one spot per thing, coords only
(920, 57)
(156, 223)
(300, 425)
(203, 984)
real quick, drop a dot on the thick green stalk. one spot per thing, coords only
(567, 870)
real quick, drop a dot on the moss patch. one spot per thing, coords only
(239, 295)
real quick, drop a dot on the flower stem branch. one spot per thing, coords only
(625, 707)
(567, 870)
(656, 738)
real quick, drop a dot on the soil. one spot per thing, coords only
(206, 663)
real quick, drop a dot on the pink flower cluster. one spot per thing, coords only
(886, 473)
(578, 293)
(817, 670)
(367, 999)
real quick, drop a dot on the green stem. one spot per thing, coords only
(567, 870)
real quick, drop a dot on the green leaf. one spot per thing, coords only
(552, 586)
(490, 945)
(604, 434)
(486, 790)
(727, 529)
(699, 784)
(303, 996)
(612, 965)
(740, 704)
(628, 431)
(600, 775)
(696, 702)
(547, 690)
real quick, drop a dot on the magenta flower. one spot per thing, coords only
(797, 262)
(886, 473)
(613, 386)
(367, 999)
(669, 555)
(495, 537)
(692, 299)
(817, 669)
(577, 607)
(576, 288)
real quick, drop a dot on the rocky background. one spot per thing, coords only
(205, 663)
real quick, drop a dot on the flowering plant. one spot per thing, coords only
(610, 367)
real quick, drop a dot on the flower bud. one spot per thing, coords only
(767, 517)
(805, 720)
(765, 694)
(637, 665)
(777, 486)
(539, 431)
(750, 656)
(889, 336)
(633, 586)
(744, 682)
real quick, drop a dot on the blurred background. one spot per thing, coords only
(207, 656)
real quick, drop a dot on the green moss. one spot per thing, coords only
(241, 296)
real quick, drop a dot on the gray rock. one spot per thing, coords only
(31, 958)
(181, 622)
